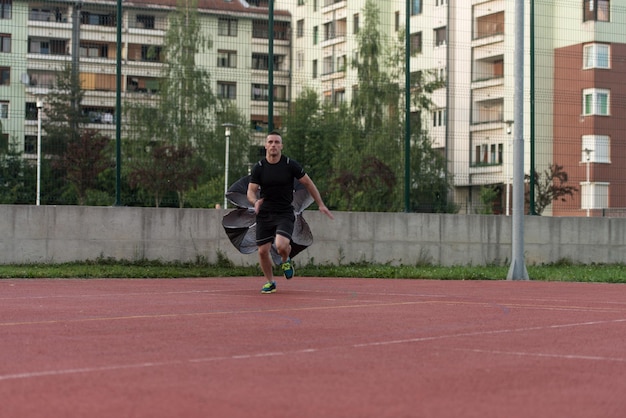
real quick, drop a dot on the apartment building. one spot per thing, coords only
(39, 37)
(579, 54)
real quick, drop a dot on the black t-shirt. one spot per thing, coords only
(276, 182)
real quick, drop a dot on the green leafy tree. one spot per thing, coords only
(185, 113)
(73, 157)
(550, 185)
(172, 168)
(84, 160)
(17, 177)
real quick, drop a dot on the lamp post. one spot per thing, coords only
(588, 152)
(509, 123)
(227, 127)
(39, 107)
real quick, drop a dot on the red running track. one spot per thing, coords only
(316, 348)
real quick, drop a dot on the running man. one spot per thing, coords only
(274, 176)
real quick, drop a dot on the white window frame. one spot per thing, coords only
(600, 149)
(596, 102)
(4, 110)
(594, 195)
(592, 54)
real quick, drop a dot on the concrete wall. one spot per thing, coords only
(54, 234)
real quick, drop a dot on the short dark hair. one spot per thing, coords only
(275, 132)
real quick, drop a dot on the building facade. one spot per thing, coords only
(573, 116)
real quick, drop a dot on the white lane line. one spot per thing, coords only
(62, 372)
(545, 355)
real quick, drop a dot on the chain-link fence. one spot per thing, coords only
(162, 103)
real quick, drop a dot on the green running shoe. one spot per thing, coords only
(288, 269)
(269, 287)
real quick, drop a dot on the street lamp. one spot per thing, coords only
(227, 127)
(588, 152)
(509, 123)
(39, 107)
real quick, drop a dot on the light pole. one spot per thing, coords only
(509, 123)
(39, 107)
(588, 152)
(227, 127)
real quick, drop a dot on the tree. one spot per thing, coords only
(75, 155)
(84, 160)
(170, 169)
(373, 81)
(63, 114)
(17, 177)
(185, 113)
(549, 186)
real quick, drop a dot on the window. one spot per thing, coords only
(300, 28)
(355, 23)
(489, 25)
(439, 117)
(329, 30)
(151, 53)
(4, 110)
(5, 76)
(596, 56)
(227, 59)
(226, 26)
(300, 2)
(31, 111)
(5, 42)
(5, 9)
(226, 90)
(48, 46)
(328, 66)
(594, 195)
(342, 62)
(299, 60)
(596, 102)
(416, 7)
(260, 92)
(416, 43)
(144, 21)
(440, 36)
(30, 144)
(314, 68)
(596, 149)
(98, 19)
(94, 50)
(316, 34)
(396, 24)
(260, 30)
(440, 2)
(596, 10)
(262, 61)
(488, 154)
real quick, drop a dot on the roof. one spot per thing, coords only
(230, 6)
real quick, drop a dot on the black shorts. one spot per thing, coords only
(268, 225)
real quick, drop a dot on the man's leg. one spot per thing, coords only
(283, 246)
(265, 261)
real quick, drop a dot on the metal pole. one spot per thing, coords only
(588, 152)
(533, 180)
(118, 109)
(407, 111)
(226, 158)
(517, 270)
(39, 107)
(270, 69)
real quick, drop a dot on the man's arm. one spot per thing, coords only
(253, 192)
(315, 194)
